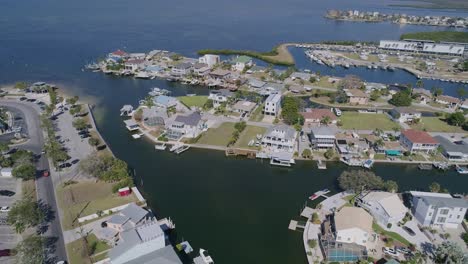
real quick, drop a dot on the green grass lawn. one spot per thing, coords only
(78, 250)
(435, 124)
(248, 134)
(217, 136)
(414, 157)
(257, 114)
(380, 156)
(355, 120)
(197, 100)
(85, 198)
(325, 83)
(395, 236)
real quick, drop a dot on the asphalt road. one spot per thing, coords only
(44, 185)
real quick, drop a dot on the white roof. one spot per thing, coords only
(430, 194)
(390, 202)
(444, 48)
(398, 45)
(273, 98)
(353, 217)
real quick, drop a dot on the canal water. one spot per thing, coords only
(237, 209)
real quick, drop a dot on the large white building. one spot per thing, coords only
(385, 207)
(438, 209)
(353, 225)
(405, 114)
(421, 46)
(272, 105)
(280, 138)
(209, 59)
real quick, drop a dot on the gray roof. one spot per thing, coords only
(244, 106)
(289, 131)
(154, 112)
(118, 219)
(449, 146)
(183, 65)
(323, 131)
(191, 120)
(301, 75)
(274, 86)
(165, 255)
(223, 92)
(256, 83)
(421, 91)
(134, 212)
(445, 201)
(405, 110)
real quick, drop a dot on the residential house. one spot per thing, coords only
(241, 62)
(134, 64)
(255, 83)
(453, 151)
(322, 137)
(280, 138)
(256, 68)
(353, 225)
(272, 105)
(316, 115)
(183, 68)
(423, 95)
(351, 144)
(154, 69)
(464, 105)
(438, 209)
(356, 96)
(220, 74)
(296, 89)
(405, 114)
(418, 141)
(389, 148)
(386, 208)
(117, 55)
(301, 75)
(154, 116)
(210, 60)
(165, 101)
(143, 244)
(131, 216)
(272, 88)
(244, 107)
(450, 101)
(188, 126)
(201, 69)
(219, 96)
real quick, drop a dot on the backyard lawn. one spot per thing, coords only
(85, 198)
(355, 120)
(393, 235)
(435, 124)
(248, 134)
(197, 100)
(218, 136)
(78, 250)
(257, 114)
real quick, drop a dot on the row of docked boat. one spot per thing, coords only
(442, 166)
(176, 148)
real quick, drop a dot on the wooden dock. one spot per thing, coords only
(293, 225)
(307, 212)
(251, 154)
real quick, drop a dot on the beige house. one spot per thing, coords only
(357, 97)
(353, 225)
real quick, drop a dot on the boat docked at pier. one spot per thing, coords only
(461, 170)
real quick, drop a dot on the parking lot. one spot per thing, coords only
(8, 236)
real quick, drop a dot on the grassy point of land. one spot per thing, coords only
(247, 135)
(438, 36)
(279, 55)
(436, 124)
(218, 136)
(197, 100)
(355, 120)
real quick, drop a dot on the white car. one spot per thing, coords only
(390, 251)
(403, 250)
(4, 209)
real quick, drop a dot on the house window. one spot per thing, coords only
(458, 216)
(339, 238)
(430, 213)
(441, 219)
(444, 211)
(433, 207)
(461, 209)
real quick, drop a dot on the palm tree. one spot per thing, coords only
(325, 120)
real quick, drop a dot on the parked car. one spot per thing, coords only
(5, 252)
(75, 161)
(104, 224)
(409, 230)
(403, 250)
(82, 132)
(45, 173)
(390, 251)
(84, 136)
(6, 193)
(4, 209)
(65, 165)
(23, 98)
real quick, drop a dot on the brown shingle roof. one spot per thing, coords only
(417, 136)
(318, 114)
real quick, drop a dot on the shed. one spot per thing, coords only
(124, 191)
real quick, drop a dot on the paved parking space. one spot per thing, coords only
(10, 184)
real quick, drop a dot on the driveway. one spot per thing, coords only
(419, 239)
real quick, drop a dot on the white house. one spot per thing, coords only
(219, 96)
(189, 126)
(322, 137)
(405, 114)
(241, 62)
(272, 105)
(415, 140)
(438, 209)
(280, 138)
(353, 225)
(385, 207)
(209, 59)
(450, 101)
(134, 64)
(182, 69)
(129, 217)
(244, 107)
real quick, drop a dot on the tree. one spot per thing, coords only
(208, 104)
(312, 243)
(93, 141)
(31, 250)
(419, 83)
(375, 94)
(401, 98)
(76, 109)
(358, 180)
(72, 100)
(80, 124)
(434, 187)
(104, 167)
(138, 115)
(391, 186)
(290, 111)
(4, 147)
(24, 171)
(25, 213)
(315, 218)
(329, 153)
(325, 120)
(461, 92)
(436, 91)
(449, 252)
(465, 237)
(456, 119)
(22, 157)
(306, 153)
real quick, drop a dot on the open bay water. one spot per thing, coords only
(238, 209)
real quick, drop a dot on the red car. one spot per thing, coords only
(5, 252)
(45, 173)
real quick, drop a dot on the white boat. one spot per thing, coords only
(207, 259)
(142, 75)
(461, 170)
(368, 163)
(161, 146)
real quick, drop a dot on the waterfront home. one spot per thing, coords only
(357, 97)
(322, 137)
(210, 60)
(244, 107)
(351, 144)
(134, 65)
(255, 83)
(386, 208)
(241, 62)
(154, 116)
(131, 125)
(188, 126)
(280, 138)
(165, 101)
(272, 88)
(405, 114)
(272, 105)
(220, 96)
(453, 151)
(438, 209)
(154, 69)
(301, 75)
(450, 101)
(422, 95)
(389, 148)
(131, 216)
(296, 89)
(353, 225)
(220, 74)
(118, 54)
(143, 244)
(464, 105)
(201, 69)
(418, 141)
(183, 68)
(317, 115)
(256, 68)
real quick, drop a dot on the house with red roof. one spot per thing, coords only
(317, 115)
(119, 53)
(418, 141)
